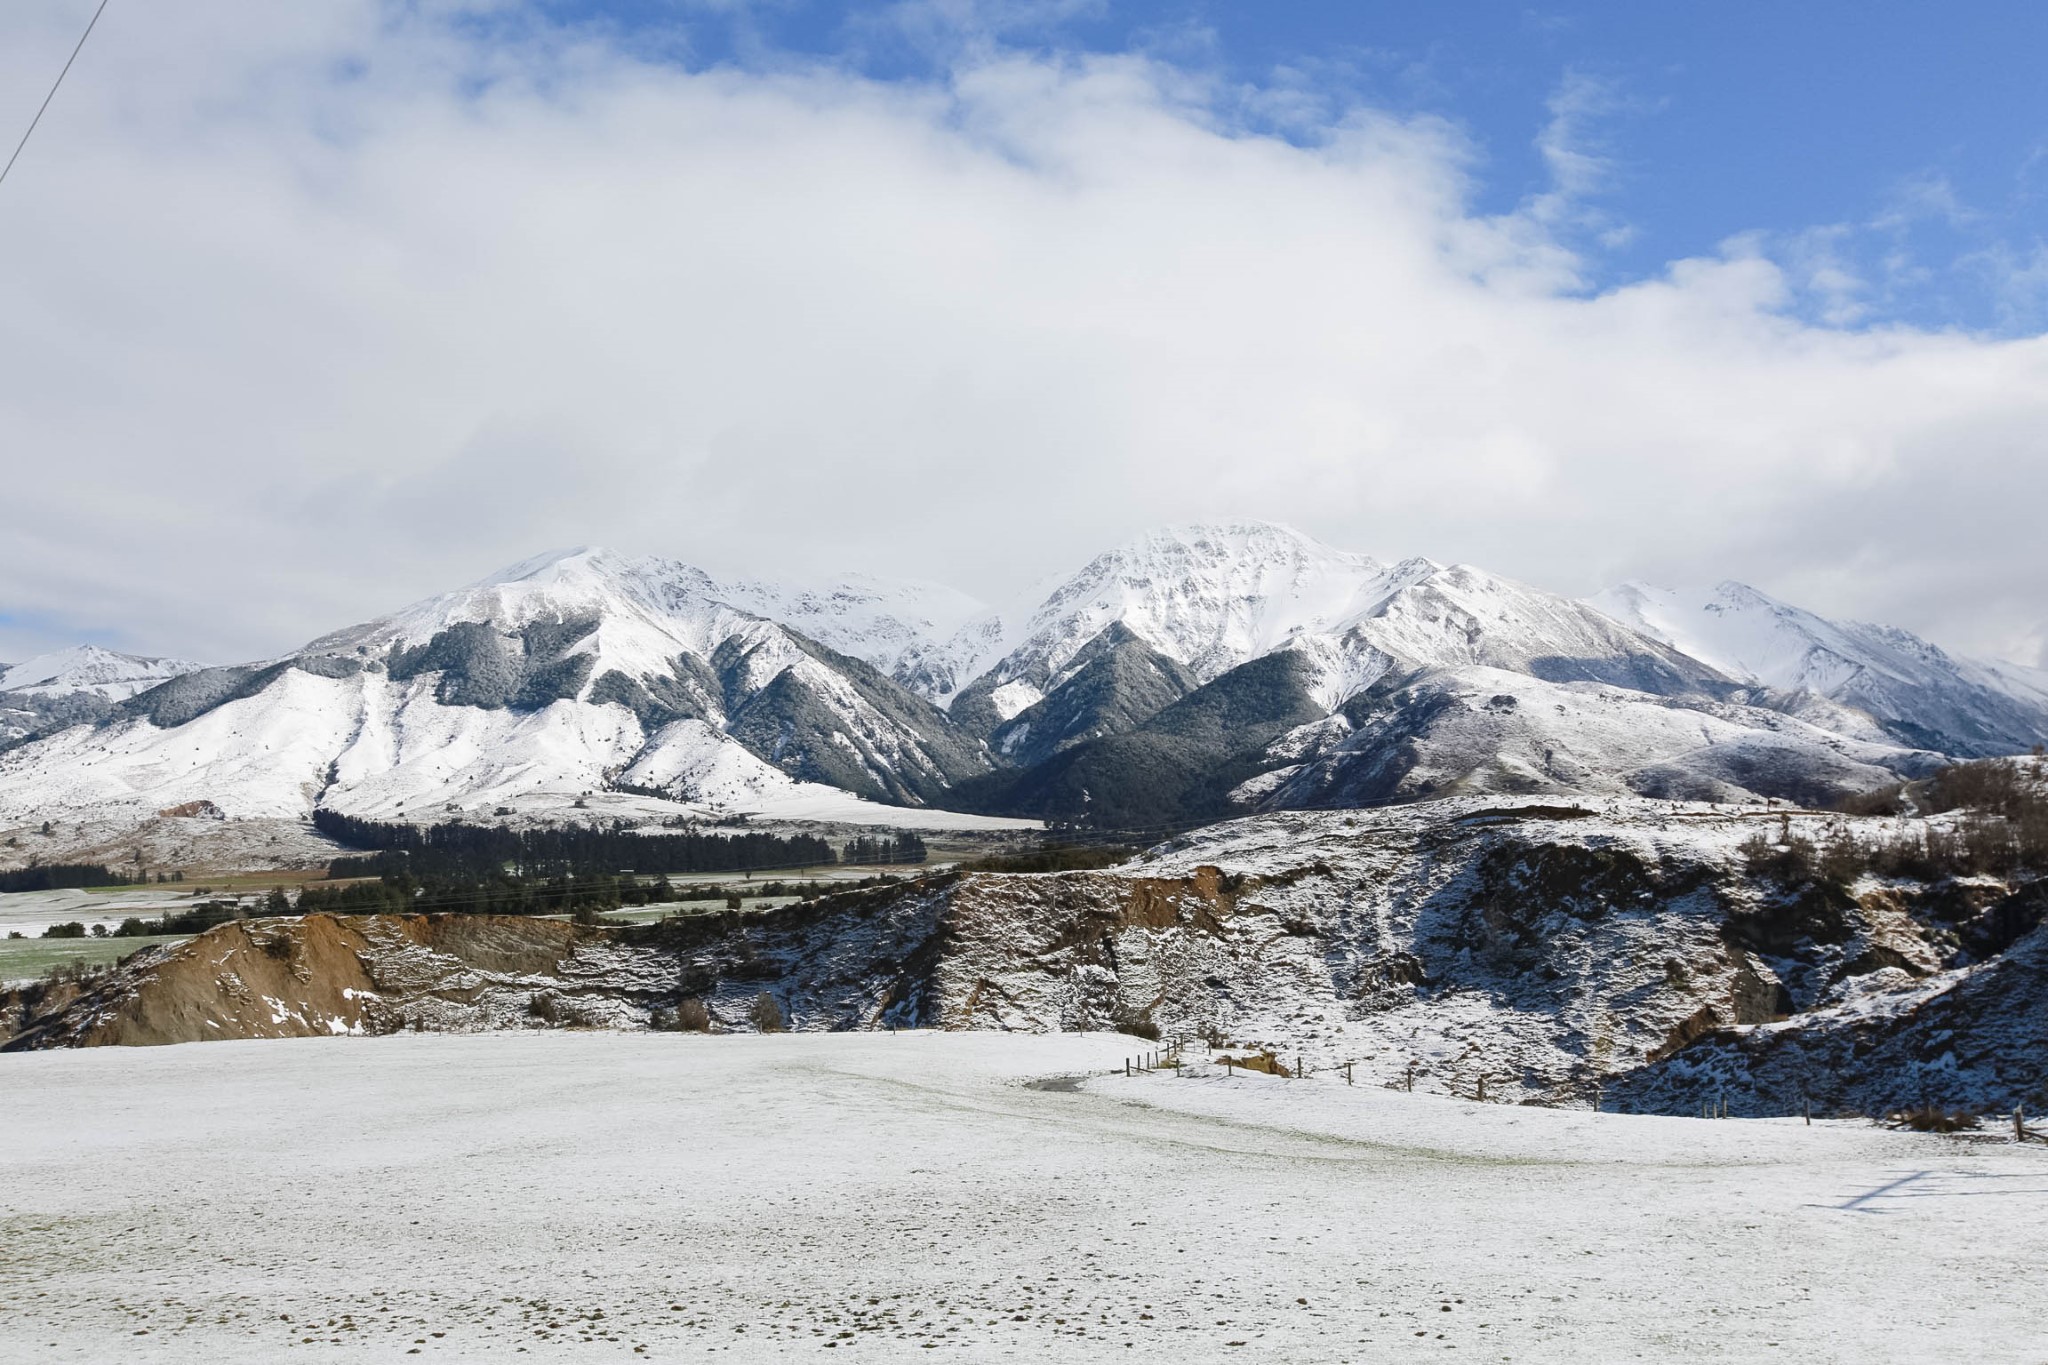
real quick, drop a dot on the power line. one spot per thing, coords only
(53, 91)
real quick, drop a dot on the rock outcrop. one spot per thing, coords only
(1553, 952)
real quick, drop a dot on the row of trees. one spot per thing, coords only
(476, 852)
(868, 851)
(496, 894)
(195, 920)
(60, 877)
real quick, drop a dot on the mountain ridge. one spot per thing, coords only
(584, 671)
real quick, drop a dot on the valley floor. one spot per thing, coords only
(591, 1196)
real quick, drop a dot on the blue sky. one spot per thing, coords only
(315, 309)
(1905, 145)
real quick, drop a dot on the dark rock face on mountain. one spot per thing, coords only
(1114, 685)
(849, 726)
(1177, 768)
(1549, 951)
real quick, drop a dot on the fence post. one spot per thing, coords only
(1127, 1068)
(1806, 1107)
(1482, 1087)
(1347, 1073)
(2019, 1124)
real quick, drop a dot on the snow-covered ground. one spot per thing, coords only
(28, 913)
(607, 1197)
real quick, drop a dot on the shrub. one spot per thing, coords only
(1052, 858)
(71, 929)
(1136, 1024)
(1934, 1118)
(765, 1014)
(689, 1016)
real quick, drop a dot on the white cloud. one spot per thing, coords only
(313, 309)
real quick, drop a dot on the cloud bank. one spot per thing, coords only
(314, 309)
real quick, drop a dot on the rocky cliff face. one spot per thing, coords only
(1551, 951)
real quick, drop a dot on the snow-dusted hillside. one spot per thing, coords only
(1486, 729)
(1922, 694)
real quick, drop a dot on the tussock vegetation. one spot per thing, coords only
(690, 1015)
(1934, 1118)
(1053, 858)
(60, 981)
(2000, 829)
(1266, 1062)
(1137, 1024)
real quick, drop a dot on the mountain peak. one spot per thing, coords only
(90, 668)
(551, 564)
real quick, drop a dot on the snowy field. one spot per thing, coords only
(29, 913)
(592, 1196)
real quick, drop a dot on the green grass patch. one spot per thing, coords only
(25, 959)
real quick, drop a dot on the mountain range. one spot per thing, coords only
(1194, 673)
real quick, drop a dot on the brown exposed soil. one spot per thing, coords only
(295, 978)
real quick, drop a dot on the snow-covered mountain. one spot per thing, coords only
(88, 668)
(1918, 692)
(1194, 671)
(1208, 597)
(876, 620)
(567, 674)
(73, 686)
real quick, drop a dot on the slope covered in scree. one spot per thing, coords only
(1550, 951)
